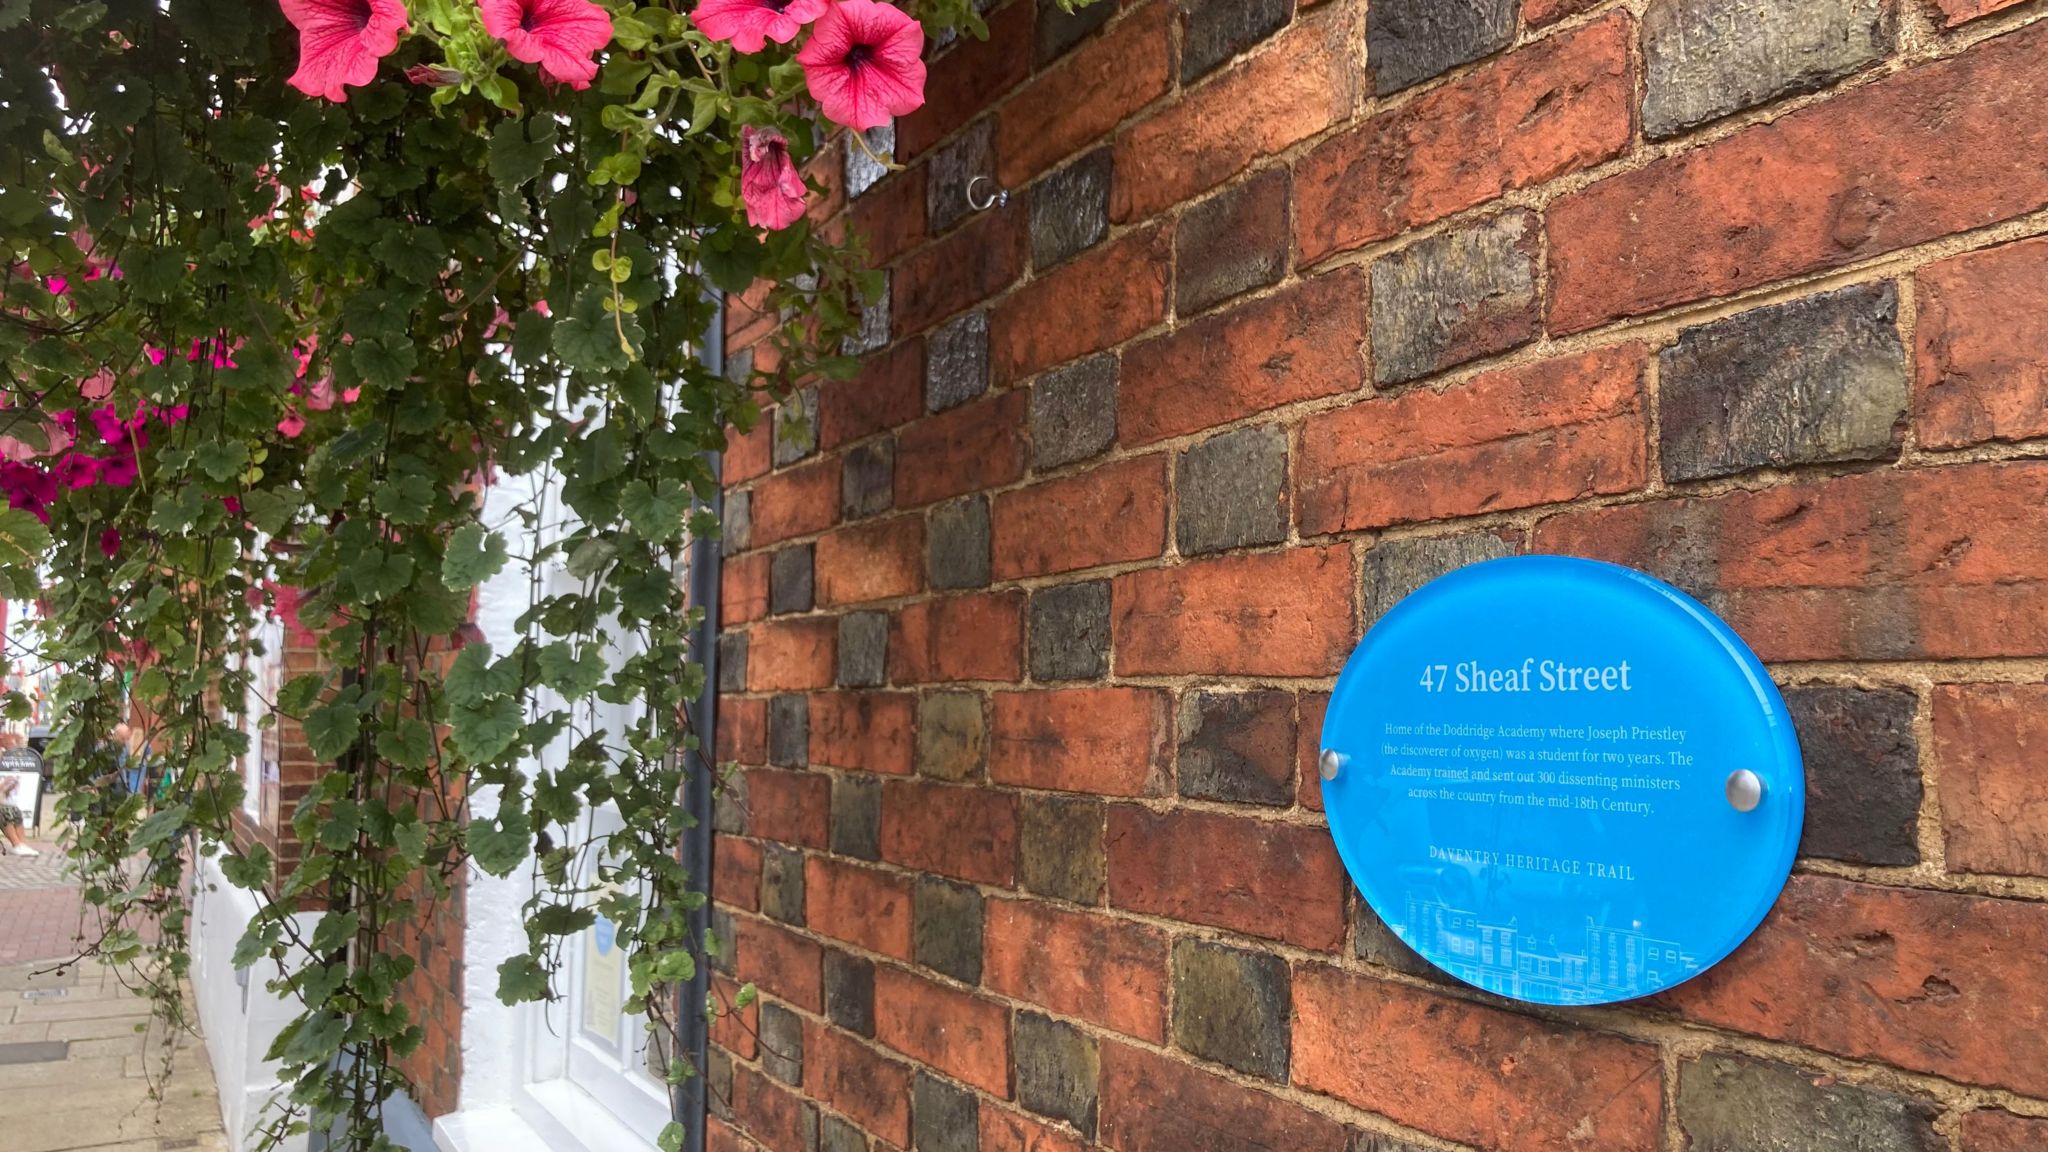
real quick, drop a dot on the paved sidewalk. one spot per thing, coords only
(80, 1061)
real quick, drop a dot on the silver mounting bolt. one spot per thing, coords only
(1330, 763)
(1745, 790)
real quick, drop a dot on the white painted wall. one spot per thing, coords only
(237, 1015)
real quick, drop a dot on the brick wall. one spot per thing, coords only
(1030, 629)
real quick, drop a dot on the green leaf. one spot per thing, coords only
(656, 514)
(671, 1138)
(223, 460)
(408, 743)
(406, 499)
(23, 540)
(311, 1039)
(161, 825)
(563, 920)
(521, 979)
(483, 732)
(520, 149)
(588, 341)
(299, 693)
(574, 676)
(331, 730)
(499, 845)
(474, 555)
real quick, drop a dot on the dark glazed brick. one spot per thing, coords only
(946, 933)
(868, 479)
(782, 1043)
(1818, 379)
(1058, 1069)
(782, 884)
(1070, 209)
(1729, 1103)
(956, 362)
(952, 736)
(790, 587)
(873, 333)
(1060, 848)
(840, 1136)
(1232, 491)
(1394, 568)
(736, 528)
(789, 731)
(732, 662)
(721, 927)
(862, 170)
(1456, 297)
(718, 1082)
(1233, 1007)
(971, 154)
(850, 992)
(796, 427)
(1863, 783)
(1220, 29)
(1703, 59)
(1073, 412)
(959, 544)
(1059, 30)
(1069, 629)
(1375, 943)
(1232, 243)
(1238, 747)
(863, 649)
(1409, 41)
(943, 1118)
(729, 805)
(1378, 1142)
(857, 817)
(739, 366)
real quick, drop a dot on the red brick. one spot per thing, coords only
(876, 560)
(1914, 156)
(1940, 982)
(720, 1136)
(973, 637)
(743, 589)
(792, 655)
(964, 449)
(1110, 741)
(779, 962)
(1555, 106)
(1537, 434)
(863, 731)
(1081, 98)
(1103, 297)
(967, 266)
(854, 1079)
(1151, 1103)
(857, 904)
(1105, 971)
(1470, 1072)
(1954, 12)
(746, 453)
(1006, 1131)
(1280, 881)
(888, 392)
(1297, 344)
(1105, 515)
(1983, 323)
(734, 1030)
(967, 79)
(1989, 1130)
(1537, 13)
(796, 502)
(964, 1036)
(770, 1113)
(890, 215)
(788, 807)
(1309, 749)
(1994, 797)
(736, 879)
(1273, 614)
(967, 833)
(1301, 83)
(1939, 563)
(742, 730)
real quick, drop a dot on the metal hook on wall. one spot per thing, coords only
(997, 199)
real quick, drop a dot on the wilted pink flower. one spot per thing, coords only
(558, 35)
(864, 63)
(768, 179)
(750, 24)
(340, 42)
(433, 75)
(97, 386)
(215, 350)
(110, 542)
(292, 424)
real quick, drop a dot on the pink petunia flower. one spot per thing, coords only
(292, 424)
(864, 63)
(750, 24)
(110, 542)
(119, 471)
(233, 505)
(340, 42)
(57, 285)
(108, 423)
(558, 35)
(78, 470)
(768, 179)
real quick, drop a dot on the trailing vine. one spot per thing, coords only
(286, 290)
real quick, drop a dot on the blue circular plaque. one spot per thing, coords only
(1562, 781)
